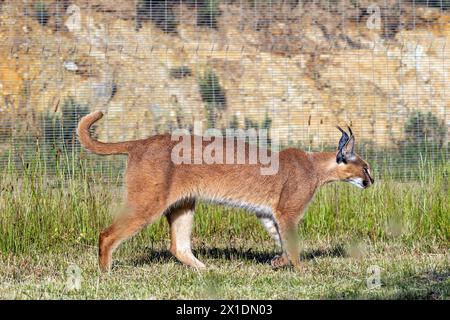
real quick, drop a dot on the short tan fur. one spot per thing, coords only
(156, 187)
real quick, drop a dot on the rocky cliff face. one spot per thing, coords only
(307, 66)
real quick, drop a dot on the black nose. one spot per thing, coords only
(365, 183)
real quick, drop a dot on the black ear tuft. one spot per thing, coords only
(350, 130)
(351, 142)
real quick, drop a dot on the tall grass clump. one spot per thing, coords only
(41, 12)
(425, 135)
(59, 130)
(159, 12)
(42, 209)
(213, 96)
(207, 13)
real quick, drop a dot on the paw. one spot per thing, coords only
(198, 265)
(104, 266)
(299, 267)
(279, 261)
(105, 269)
(188, 259)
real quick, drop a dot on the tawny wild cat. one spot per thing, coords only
(156, 186)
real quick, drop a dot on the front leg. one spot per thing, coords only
(288, 229)
(271, 226)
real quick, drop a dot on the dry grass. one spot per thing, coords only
(238, 272)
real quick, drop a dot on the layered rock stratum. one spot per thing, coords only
(308, 66)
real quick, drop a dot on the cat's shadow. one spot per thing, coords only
(230, 253)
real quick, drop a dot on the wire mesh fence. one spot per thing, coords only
(297, 67)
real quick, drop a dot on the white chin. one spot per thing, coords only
(356, 182)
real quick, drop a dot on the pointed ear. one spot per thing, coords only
(344, 138)
(349, 148)
(342, 143)
(346, 153)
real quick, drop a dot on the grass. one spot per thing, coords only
(50, 220)
(241, 272)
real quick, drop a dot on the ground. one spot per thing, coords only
(333, 270)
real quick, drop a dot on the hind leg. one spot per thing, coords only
(123, 228)
(181, 221)
(146, 197)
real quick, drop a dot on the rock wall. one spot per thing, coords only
(309, 67)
